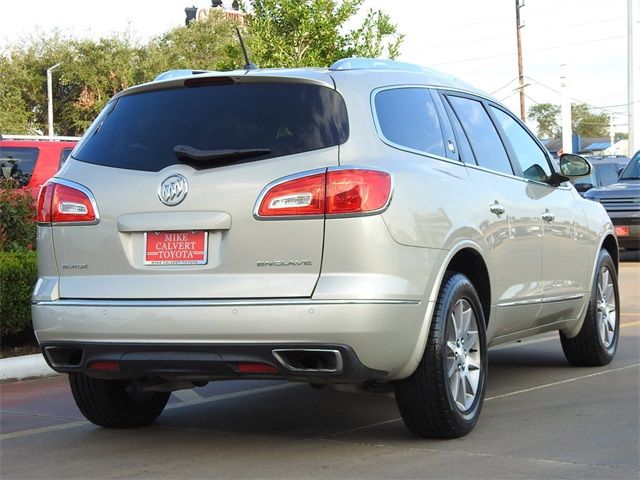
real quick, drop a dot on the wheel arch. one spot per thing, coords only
(465, 257)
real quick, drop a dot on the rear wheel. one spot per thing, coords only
(115, 403)
(596, 343)
(443, 397)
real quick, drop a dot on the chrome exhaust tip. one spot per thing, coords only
(309, 360)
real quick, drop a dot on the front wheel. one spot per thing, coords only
(115, 403)
(596, 343)
(443, 397)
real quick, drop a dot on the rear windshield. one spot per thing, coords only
(18, 163)
(139, 131)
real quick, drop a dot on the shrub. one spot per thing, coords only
(17, 214)
(18, 275)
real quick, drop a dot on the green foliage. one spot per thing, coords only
(583, 121)
(546, 116)
(210, 44)
(588, 124)
(282, 33)
(17, 213)
(297, 33)
(18, 275)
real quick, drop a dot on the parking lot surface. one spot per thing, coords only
(541, 418)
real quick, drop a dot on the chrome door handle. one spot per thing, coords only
(497, 209)
(548, 216)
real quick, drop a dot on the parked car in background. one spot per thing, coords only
(33, 160)
(622, 202)
(606, 171)
(373, 221)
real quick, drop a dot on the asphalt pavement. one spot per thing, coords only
(542, 418)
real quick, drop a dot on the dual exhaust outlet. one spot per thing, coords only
(309, 360)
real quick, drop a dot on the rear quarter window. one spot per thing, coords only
(18, 163)
(139, 131)
(407, 118)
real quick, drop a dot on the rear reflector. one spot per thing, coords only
(62, 203)
(354, 191)
(622, 231)
(105, 366)
(256, 368)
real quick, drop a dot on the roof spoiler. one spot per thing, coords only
(171, 74)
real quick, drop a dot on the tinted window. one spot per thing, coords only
(408, 117)
(531, 158)
(139, 131)
(461, 139)
(18, 163)
(608, 173)
(64, 154)
(632, 170)
(485, 142)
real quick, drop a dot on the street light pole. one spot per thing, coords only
(50, 97)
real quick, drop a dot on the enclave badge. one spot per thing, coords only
(173, 190)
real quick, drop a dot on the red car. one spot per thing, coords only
(33, 160)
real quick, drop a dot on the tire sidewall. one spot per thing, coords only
(463, 289)
(605, 260)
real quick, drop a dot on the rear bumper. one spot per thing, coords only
(377, 339)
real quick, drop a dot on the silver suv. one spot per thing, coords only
(374, 221)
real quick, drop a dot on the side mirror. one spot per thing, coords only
(583, 187)
(574, 165)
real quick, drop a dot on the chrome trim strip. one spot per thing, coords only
(256, 302)
(83, 189)
(560, 298)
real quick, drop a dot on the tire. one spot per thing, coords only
(114, 403)
(596, 343)
(430, 400)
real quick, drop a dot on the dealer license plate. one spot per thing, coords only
(175, 248)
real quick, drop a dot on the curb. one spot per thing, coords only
(24, 366)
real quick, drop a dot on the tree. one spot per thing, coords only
(587, 124)
(546, 117)
(583, 121)
(298, 33)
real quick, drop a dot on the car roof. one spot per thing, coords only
(388, 71)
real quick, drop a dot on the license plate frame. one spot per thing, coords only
(173, 252)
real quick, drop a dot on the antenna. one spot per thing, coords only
(248, 65)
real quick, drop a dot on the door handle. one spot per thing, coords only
(548, 216)
(497, 209)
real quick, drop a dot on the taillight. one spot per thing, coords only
(353, 191)
(63, 203)
(301, 196)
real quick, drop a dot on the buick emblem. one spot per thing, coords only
(173, 190)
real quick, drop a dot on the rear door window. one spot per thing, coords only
(139, 131)
(18, 163)
(485, 142)
(407, 118)
(64, 154)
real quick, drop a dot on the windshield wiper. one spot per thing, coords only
(187, 154)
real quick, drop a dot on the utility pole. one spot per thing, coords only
(519, 5)
(565, 110)
(633, 65)
(50, 97)
(612, 134)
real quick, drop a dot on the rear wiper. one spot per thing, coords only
(186, 153)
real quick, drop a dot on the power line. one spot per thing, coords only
(505, 86)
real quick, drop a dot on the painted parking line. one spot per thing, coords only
(517, 392)
(194, 401)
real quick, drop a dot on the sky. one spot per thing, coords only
(471, 39)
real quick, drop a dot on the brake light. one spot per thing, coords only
(353, 191)
(357, 191)
(62, 203)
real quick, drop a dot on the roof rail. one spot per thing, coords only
(55, 138)
(374, 64)
(170, 74)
